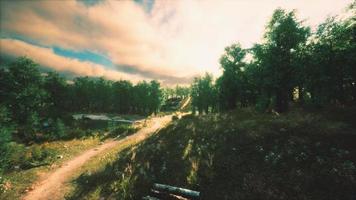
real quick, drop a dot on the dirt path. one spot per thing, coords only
(51, 186)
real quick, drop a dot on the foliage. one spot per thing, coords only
(18, 156)
(294, 156)
(38, 103)
(233, 83)
(122, 130)
(58, 90)
(5, 136)
(22, 90)
(292, 64)
(203, 93)
(56, 129)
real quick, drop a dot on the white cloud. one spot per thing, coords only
(46, 57)
(176, 40)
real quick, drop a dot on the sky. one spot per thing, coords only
(170, 41)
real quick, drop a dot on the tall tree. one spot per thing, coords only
(22, 90)
(203, 94)
(283, 35)
(231, 83)
(123, 96)
(58, 95)
(155, 96)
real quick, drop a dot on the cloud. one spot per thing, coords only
(47, 58)
(172, 41)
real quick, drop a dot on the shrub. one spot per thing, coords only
(14, 155)
(5, 133)
(29, 130)
(78, 133)
(262, 104)
(4, 184)
(123, 130)
(56, 129)
(18, 156)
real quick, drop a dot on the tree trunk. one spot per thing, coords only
(281, 101)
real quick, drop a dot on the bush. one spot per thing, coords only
(5, 136)
(4, 185)
(14, 155)
(18, 156)
(56, 129)
(123, 130)
(79, 133)
(262, 104)
(28, 132)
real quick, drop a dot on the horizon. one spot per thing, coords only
(171, 42)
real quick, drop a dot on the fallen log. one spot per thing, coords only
(176, 190)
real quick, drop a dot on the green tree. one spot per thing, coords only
(203, 94)
(155, 96)
(331, 73)
(58, 91)
(232, 82)
(123, 95)
(23, 95)
(283, 35)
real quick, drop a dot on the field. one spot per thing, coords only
(237, 155)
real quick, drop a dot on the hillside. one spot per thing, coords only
(238, 155)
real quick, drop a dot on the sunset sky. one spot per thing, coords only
(171, 41)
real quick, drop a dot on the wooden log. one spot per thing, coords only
(149, 198)
(166, 195)
(176, 190)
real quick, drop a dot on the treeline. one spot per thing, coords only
(29, 98)
(176, 92)
(293, 64)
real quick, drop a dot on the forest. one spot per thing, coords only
(314, 69)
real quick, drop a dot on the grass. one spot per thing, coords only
(98, 164)
(15, 183)
(21, 180)
(236, 155)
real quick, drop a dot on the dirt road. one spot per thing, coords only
(51, 186)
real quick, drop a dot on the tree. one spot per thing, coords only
(22, 91)
(203, 94)
(83, 92)
(58, 95)
(283, 35)
(331, 73)
(23, 95)
(122, 96)
(231, 83)
(155, 96)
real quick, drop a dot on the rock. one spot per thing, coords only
(60, 156)
(16, 167)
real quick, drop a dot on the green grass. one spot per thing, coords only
(237, 155)
(99, 163)
(17, 182)
(21, 180)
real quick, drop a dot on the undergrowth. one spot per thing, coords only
(237, 155)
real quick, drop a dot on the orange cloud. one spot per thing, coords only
(46, 57)
(176, 40)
